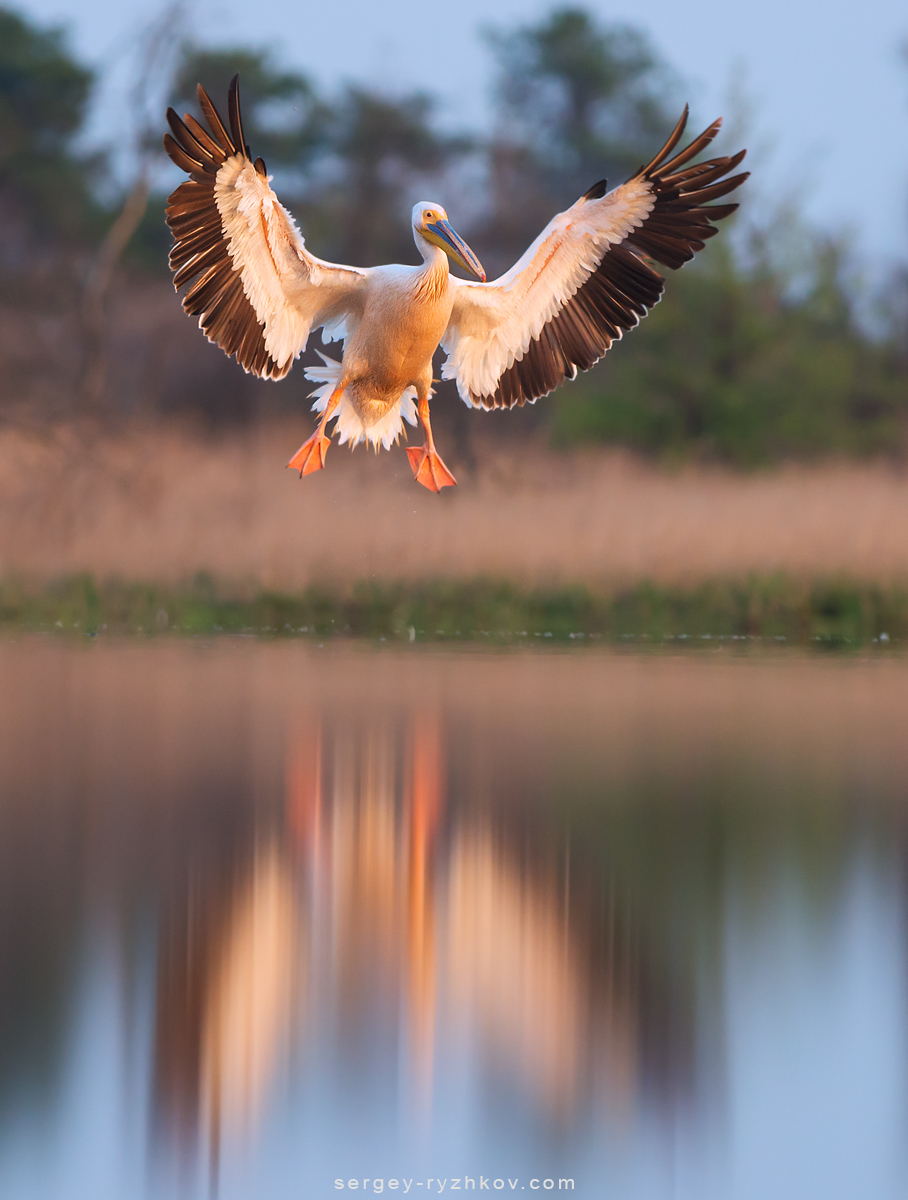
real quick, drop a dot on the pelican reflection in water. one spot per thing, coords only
(229, 998)
(385, 923)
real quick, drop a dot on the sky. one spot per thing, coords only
(825, 84)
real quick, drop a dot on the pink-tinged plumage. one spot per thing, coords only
(585, 281)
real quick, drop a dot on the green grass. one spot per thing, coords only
(832, 613)
(728, 366)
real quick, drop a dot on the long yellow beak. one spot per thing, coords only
(441, 234)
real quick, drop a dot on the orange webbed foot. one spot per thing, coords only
(311, 455)
(428, 468)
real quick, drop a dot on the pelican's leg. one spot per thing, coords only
(425, 460)
(311, 455)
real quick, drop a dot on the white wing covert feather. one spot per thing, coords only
(257, 291)
(586, 280)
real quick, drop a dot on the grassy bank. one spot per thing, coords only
(774, 607)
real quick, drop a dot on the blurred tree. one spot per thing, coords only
(895, 312)
(49, 213)
(344, 166)
(44, 180)
(158, 42)
(896, 302)
(381, 148)
(754, 353)
(733, 365)
(576, 101)
(283, 119)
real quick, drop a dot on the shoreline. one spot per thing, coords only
(775, 609)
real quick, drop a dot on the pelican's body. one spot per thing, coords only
(587, 278)
(415, 301)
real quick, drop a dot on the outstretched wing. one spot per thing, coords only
(586, 278)
(257, 292)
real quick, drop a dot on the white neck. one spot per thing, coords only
(433, 256)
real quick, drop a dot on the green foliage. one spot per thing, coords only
(345, 167)
(754, 353)
(43, 99)
(283, 120)
(829, 613)
(585, 97)
(381, 146)
(728, 365)
(577, 101)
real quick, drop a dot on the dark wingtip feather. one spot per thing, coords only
(173, 120)
(203, 137)
(718, 212)
(183, 160)
(198, 148)
(673, 138)
(717, 190)
(212, 116)
(597, 191)
(625, 285)
(200, 255)
(690, 151)
(233, 113)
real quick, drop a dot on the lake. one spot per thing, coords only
(288, 920)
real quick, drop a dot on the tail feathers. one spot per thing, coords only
(350, 426)
(329, 373)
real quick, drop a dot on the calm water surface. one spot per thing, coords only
(274, 916)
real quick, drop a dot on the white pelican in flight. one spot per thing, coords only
(259, 293)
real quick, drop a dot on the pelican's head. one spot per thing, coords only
(430, 223)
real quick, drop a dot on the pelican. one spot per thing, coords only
(586, 280)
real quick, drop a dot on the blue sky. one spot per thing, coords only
(825, 82)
